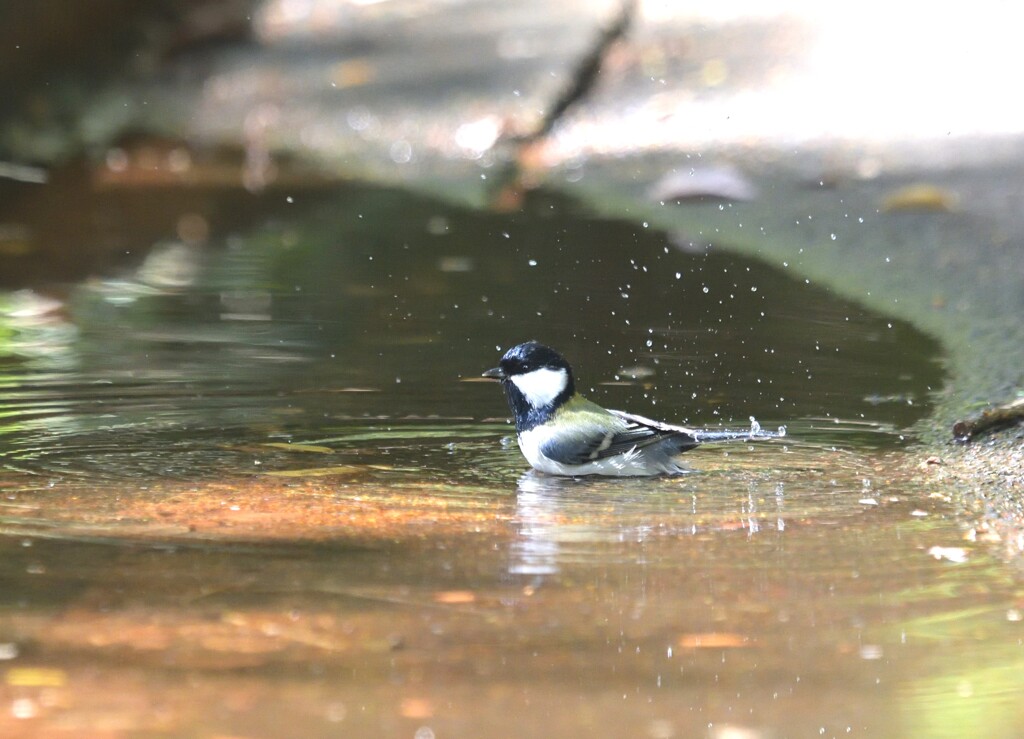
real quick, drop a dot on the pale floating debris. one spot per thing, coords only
(437, 225)
(919, 513)
(720, 182)
(401, 151)
(30, 304)
(871, 651)
(636, 373)
(455, 264)
(901, 398)
(1014, 614)
(953, 554)
(246, 305)
(307, 448)
(688, 244)
(23, 173)
(660, 728)
(476, 137)
(416, 708)
(170, 266)
(868, 501)
(454, 597)
(24, 708)
(336, 470)
(714, 640)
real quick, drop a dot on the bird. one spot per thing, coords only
(562, 433)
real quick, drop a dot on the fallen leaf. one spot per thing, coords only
(920, 197)
(36, 677)
(353, 73)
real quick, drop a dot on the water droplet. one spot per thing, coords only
(705, 289)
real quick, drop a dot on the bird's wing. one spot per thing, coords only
(616, 433)
(642, 431)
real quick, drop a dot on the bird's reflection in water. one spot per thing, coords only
(557, 518)
(538, 502)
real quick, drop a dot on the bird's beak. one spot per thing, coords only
(494, 374)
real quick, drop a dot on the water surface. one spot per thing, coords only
(254, 489)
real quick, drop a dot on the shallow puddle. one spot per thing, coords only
(255, 490)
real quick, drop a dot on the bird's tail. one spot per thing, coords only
(754, 433)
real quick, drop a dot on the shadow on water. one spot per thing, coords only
(255, 489)
(376, 304)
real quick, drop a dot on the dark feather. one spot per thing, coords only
(600, 441)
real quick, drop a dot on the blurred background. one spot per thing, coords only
(128, 125)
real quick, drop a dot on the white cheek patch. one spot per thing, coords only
(541, 386)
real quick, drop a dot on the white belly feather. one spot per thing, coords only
(632, 463)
